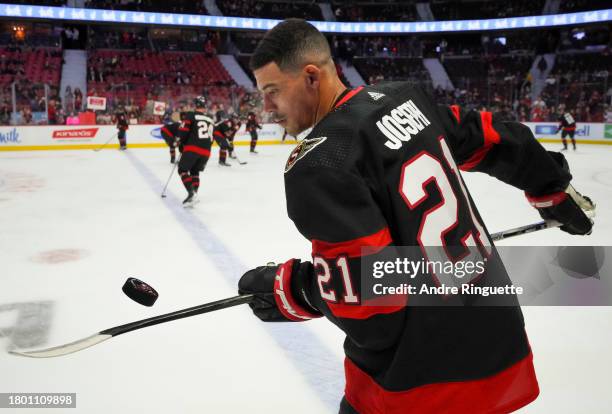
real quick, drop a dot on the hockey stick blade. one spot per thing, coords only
(530, 228)
(102, 336)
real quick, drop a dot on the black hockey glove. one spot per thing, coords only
(280, 291)
(567, 207)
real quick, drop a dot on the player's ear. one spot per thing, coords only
(312, 76)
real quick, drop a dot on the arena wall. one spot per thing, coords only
(60, 137)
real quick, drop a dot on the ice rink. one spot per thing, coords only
(75, 224)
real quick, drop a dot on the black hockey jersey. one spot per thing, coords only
(567, 122)
(170, 131)
(251, 123)
(122, 122)
(382, 169)
(196, 132)
(224, 131)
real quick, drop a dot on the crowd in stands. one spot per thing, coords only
(133, 67)
(29, 69)
(271, 10)
(465, 10)
(350, 11)
(572, 6)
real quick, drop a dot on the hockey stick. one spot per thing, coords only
(132, 326)
(238, 159)
(530, 228)
(106, 143)
(163, 194)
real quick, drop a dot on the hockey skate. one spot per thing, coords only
(190, 200)
(224, 164)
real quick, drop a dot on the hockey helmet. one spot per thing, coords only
(199, 102)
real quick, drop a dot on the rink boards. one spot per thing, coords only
(61, 137)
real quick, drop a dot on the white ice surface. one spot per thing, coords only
(106, 209)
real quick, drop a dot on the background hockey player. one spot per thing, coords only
(381, 168)
(122, 127)
(252, 126)
(236, 124)
(195, 135)
(224, 131)
(567, 126)
(169, 133)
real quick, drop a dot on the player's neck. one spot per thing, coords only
(329, 96)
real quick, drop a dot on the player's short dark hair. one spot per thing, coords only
(290, 44)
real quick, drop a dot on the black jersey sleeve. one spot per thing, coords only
(507, 151)
(184, 128)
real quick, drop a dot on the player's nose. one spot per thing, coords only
(269, 105)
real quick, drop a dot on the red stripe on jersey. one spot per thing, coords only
(573, 128)
(219, 134)
(491, 137)
(504, 392)
(352, 248)
(365, 311)
(192, 148)
(348, 96)
(456, 111)
(167, 132)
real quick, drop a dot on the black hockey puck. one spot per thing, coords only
(139, 291)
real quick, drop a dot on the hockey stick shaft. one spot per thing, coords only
(163, 194)
(132, 326)
(530, 228)
(106, 143)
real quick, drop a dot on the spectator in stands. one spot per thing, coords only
(68, 99)
(5, 114)
(78, 99)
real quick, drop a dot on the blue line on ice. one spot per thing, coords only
(312, 358)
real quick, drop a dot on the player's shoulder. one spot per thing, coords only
(341, 139)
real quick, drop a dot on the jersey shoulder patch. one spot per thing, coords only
(303, 148)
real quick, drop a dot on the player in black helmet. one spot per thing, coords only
(225, 129)
(122, 126)
(195, 135)
(567, 124)
(252, 126)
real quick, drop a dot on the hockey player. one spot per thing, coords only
(567, 125)
(381, 168)
(224, 131)
(122, 126)
(236, 124)
(195, 135)
(252, 126)
(169, 133)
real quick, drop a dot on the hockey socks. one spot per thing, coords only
(195, 183)
(187, 181)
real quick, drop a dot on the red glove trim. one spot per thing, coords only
(546, 201)
(284, 298)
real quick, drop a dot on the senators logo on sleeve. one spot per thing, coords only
(301, 150)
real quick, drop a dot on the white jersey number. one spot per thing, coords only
(421, 170)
